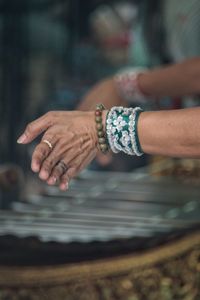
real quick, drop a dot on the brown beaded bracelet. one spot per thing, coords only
(99, 126)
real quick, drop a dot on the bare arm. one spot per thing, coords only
(173, 133)
(174, 80)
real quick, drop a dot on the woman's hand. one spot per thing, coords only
(69, 144)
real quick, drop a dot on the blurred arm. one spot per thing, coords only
(180, 79)
(174, 80)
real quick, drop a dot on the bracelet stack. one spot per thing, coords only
(100, 131)
(121, 130)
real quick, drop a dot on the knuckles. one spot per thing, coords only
(42, 152)
(66, 133)
(48, 164)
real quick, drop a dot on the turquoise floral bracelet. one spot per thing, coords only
(121, 130)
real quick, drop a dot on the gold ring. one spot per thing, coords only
(48, 143)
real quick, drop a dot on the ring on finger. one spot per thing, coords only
(63, 166)
(59, 169)
(48, 143)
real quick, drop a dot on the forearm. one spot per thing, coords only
(175, 80)
(173, 133)
(103, 92)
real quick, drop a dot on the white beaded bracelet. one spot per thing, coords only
(128, 86)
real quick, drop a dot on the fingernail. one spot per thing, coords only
(64, 186)
(52, 180)
(21, 139)
(44, 174)
(35, 166)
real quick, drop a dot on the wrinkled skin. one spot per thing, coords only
(74, 143)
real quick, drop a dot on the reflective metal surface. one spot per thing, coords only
(103, 207)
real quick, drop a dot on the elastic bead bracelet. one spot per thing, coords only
(102, 141)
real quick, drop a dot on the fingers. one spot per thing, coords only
(67, 167)
(36, 127)
(77, 166)
(51, 169)
(42, 151)
(57, 172)
(73, 171)
(61, 167)
(65, 179)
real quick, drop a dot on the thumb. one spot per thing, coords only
(35, 128)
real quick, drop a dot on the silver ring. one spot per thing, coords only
(48, 143)
(63, 166)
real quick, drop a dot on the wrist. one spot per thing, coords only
(104, 117)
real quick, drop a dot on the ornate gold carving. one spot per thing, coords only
(170, 272)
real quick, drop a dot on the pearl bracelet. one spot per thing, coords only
(121, 130)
